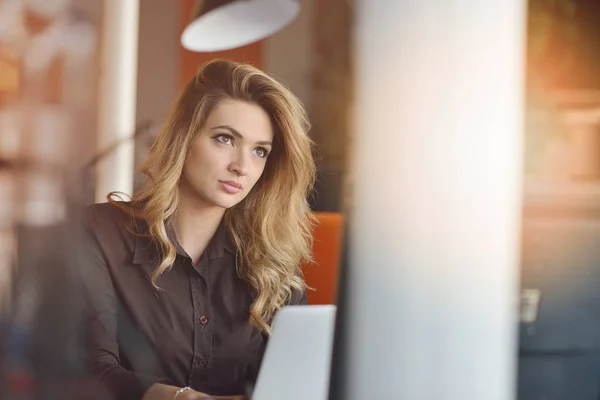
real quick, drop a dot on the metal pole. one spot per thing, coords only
(118, 95)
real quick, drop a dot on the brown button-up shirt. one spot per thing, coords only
(194, 332)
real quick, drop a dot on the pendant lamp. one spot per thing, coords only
(219, 25)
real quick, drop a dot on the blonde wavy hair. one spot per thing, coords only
(272, 226)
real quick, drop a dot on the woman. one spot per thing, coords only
(183, 281)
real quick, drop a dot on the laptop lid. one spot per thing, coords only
(297, 361)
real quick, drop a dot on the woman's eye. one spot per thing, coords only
(261, 152)
(225, 139)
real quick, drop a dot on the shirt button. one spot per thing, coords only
(204, 320)
(203, 363)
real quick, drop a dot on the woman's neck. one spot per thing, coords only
(195, 225)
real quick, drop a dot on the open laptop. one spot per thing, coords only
(297, 360)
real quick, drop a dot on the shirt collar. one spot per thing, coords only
(146, 250)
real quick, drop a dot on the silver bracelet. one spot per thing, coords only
(181, 390)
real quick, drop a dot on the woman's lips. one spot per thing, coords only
(231, 187)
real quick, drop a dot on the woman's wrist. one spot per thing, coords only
(160, 391)
(180, 392)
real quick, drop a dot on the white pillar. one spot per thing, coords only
(117, 95)
(434, 251)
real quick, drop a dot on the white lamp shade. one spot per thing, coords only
(238, 23)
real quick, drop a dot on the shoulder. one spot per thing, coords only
(298, 295)
(111, 230)
(105, 212)
(108, 218)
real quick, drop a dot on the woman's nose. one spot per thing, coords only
(240, 165)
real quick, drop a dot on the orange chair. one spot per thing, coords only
(322, 275)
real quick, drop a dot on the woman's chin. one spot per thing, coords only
(227, 202)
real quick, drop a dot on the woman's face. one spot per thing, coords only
(229, 156)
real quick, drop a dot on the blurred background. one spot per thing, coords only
(85, 84)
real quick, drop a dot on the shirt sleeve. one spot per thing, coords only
(101, 327)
